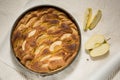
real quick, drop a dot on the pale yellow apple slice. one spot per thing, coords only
(23, 45)
(94, 41)
(67, 35)
(88, 16)
(53, 45)
(99, 51)
(95, 20)
(31, 33)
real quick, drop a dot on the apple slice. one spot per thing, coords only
(23, 45)
(99, 51)
(88, 16)
(53, 45)
(65, 36)
(94, 41)
(31, 33)
(95, 20)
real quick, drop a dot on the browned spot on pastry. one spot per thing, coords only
(64, 54)
(52, 21)
(35, 14)
(52, 16)
(44, 68)
(27, 57)
(61, 53)
(66, 28)
(56, 31)
(68, 40)
(56, 63)
(41, 28)
(20, 53)
(35, 66)
(17, 34)
(70, 47)
(29, 49)
(48, 41)
(39, 67)
(75, 37)
(68, 56)
(46, 51)
(50, 10)
(33, 43)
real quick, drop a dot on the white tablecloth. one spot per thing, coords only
(80, 69)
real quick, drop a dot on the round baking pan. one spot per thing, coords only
(39, 7)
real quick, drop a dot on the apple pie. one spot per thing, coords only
(45, 40)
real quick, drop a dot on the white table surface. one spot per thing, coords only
(80, 69)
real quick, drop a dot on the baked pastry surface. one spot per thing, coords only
(45, 40)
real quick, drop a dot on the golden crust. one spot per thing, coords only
(45, 40)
